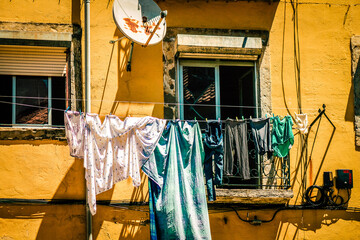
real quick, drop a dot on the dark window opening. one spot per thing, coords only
(237, 92)
(31, 102)
(31, 92)
(223, 91)
(199, 92)
(58, 101)
(5, 99)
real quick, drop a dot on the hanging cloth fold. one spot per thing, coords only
(214, 155)
(260, 129)
(236, 153)
(301, 121)
(115, 150)
(282, 137)
(74, 129)
(175, 171)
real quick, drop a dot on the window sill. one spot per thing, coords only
(253, 196)
(27, 133)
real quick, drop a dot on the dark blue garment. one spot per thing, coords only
(260, 129)
(213, 147)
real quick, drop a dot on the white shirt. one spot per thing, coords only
(115, 150)
(74, 128)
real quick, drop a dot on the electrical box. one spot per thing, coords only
(344, 179)
(328, 180)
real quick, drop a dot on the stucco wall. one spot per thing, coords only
(40, 11)
(44, 169)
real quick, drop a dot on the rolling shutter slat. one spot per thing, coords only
(32, 61)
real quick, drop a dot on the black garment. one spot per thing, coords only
(213, 146)
(260, 129)
(236, 149)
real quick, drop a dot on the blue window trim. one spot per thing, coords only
(216, 65)
(13, 116)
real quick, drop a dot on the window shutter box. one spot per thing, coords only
(32, 60)
(218, 47)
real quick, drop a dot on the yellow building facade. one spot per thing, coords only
(308, 56)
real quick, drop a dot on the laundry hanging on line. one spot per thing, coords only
(74, 129)
(214, 156)
(105, 164)
(301, 121)
(282, 137)
(260, 129)
(115, 150)
(178, 207)
(236, 155)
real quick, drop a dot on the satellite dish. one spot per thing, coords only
(142, 21)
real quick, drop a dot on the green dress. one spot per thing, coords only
(178, 206)
(282, 137)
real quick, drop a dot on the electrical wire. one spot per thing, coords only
(73, 202)
(293, 207)
(139, 102)
(324, 3)
(130, 206)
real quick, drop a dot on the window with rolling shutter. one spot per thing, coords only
(32, 61)
(33, 88)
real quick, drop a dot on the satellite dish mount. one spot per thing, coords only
(141, 21)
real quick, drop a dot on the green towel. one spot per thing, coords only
(282, 137)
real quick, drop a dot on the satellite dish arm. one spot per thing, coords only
(162, 15)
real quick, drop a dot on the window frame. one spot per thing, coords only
(14, 105)
(67, 74)
(216, 63)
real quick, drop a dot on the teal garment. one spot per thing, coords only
(282, 137)
(175, 172)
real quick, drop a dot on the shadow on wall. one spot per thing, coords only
(126, 219)
(312, 220)
(68, 221)
(287, 224)
(126, 92)
(50, 221)
(353, 105)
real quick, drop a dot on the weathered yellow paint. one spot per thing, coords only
(39, 11)
(44, 169)
(40, 169)
(42, 222)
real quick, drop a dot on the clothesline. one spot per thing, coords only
(62, 110)
(145, 102)
(102, 115)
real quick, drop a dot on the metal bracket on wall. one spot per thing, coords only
(128, 65)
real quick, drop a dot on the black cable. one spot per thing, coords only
(348, 199)
(292, 207)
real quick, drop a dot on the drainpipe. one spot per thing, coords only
(87, 103)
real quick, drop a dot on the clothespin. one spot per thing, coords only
(219, 120)
(206, 119)
(273, 115)
(195, 118)
(237, 119)
(243, 118)
(67, 109)
(265, 115)
(80, 111)
(250, 117)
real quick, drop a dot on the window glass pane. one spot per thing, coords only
(199, 89)
(5, 100)
(237, 97)
(32, 91)
(58, 100)
(237, 89)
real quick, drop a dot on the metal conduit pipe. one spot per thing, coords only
(87, 103)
